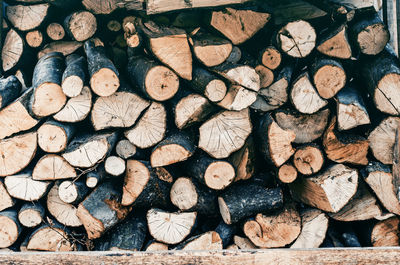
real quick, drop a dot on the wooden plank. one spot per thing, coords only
(269, 256)
(390, 13)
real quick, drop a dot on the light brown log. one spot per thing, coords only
(244, 161)
(271, 57)
(386, 233)
(49, 238)
(80, 25)
(243, 243)
(6, 201)
(23, 187)
(53, 136)
(65, 47)
(105, 7)
(12, 50)
(10, 228)
(287, 173)
(237, 98)
(34, 38)
(28, 17)
(55, 31)
(239, 74)
(31, 214)
(266, 75)
(156, 246)
(308, 159)
(53, 167)
(77, 108)
(206, 241)
(334, 43)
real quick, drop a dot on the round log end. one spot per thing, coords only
(49, 99)
(114, 165)
(104, 82)
(308, 160)
(29, 218)
(219, 175)
(72, 86)
(373, 39)
(287, 173)
(9, 231)
(52, 138)
(215, 90)
(161, 83)
(183, 194)
(329, 79)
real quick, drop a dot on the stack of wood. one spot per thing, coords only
(235, 127)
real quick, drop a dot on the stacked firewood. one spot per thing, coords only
(261, 125)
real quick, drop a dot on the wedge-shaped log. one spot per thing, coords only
(240, 74)
(244, 160)
(10, 228)
(50, 238)
(207, 241)
(237, 98)
(77, 108)
(23, 187)
(27, 17)
(53, 167)
(334, 42)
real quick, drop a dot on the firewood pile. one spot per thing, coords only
(132, 125)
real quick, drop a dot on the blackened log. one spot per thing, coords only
(207, 84)
(53, 136)
(74, 76)
(31, 214)
(10, 89)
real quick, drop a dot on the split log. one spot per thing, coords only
(74, 75)
(335, 43)
(133, 39)
(23, 187)
(174, 148)
(316, 192)
(164, 41)
(382, 139)
(23, 79)
(80, 25)
(304, 96)
(287, 173)
(213, 173)
(271, 57)
(351, 111)
(6, 201)
(27, 17)
(237, 98)
(95, 177)
(297, 38)
(242, 243)
(188, 195)
(34, 38)
(55, 31)
(65, 47)
(17, 152)
(101, 210)
(308, 159)
(31, 214)
(380, 179)
(154, 80)
(156, 246)
(87, 150)
(72, 192)
(170, 228)
(274, 142)
(54, 136)
(286, 10)
(370, 35)
(104, 79)
(145, 186)
(314, 224)
(77, 108)
(209, 49)
(120, 109)
(10, 228)
(225, 133)
(49, 238)
(114, 165)
(12, 50)
(345, 148)
(240, 74)
(47, 97)
(53, 167)
(306, 127)
(386, 233)
(243, 160)
(108, 6)
(125, 149)
(258, 199)
(329, 76)
(206, 241)
(151, 127)
(238, 25)
(207, 84)
(277, 230)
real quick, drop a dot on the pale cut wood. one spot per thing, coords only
(207, 241)
(74, 76)
(151, 127)
(53, 167)
(77, 108)
(49, 238)
(10, 228)
(31, 214)
(80, 25)
(330, 197)
(287, 173)
(55, 31)
(334, 43)
(25, 18)
(237, 98)
(23, 187)
(72, 192)
(12, 50)
(225, 133)
(308, 159)
(208, 84)
(243, 160)
(53, 136)
(108, 6)
(156, 246)
(65, 47)
(114, 165)
(243, 243)
(238, 25)
(386, 233)
(34, 38)
(6, 201)
(314, 224)
(243, 75)
(125, 149)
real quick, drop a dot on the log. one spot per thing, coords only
(307, 128)
(34, 38)
(23, 79)
(206, 241)
(238, 25)
(125, 149)
(226, 233)
(74, 76)
(53, 167)
(225, 133)
(266, 75)
(334, 42)
(351, 110)
(188, 195)
(215, 174)
(10, 89)
(382, 139)
(308, 159)
(104, 79)
(77, 108)
(244, 160)
(95, 177)
(145, 186)
(329, 76)
(22, 186)
(277, 230)
(170, 227)
(31, 214)
(65, 47)
(12, 50)
(176, 147)
(49, 238)
(258, 199)
(87, 150)
(154, 80)
(209, 49)
(243, 243)
(237, 98)
(274, 142)
(101, 210)
(17, 152)
(304, 95)
(47, 97)
(207, 84)
(296, 39)
(10, 228)
(80, 25)
(370, 35)
(316, 191)
(114, 165)
(6, 201)
(235, 56)
(164, 41)
(53, 136)
(314, 224)
(386, 233)
(27, 17)
(72, 192)
(240, 74)
(120, 109)
(380, 179)
(151, 127)
(270, 57)
(55, 31)
(156, 246)
(108, 6)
